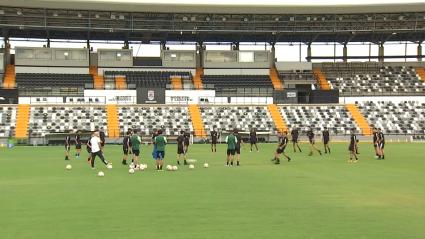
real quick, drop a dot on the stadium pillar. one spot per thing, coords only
(419, 52)
(273, 55)
(309, 52)
(200, 55)
(88, 44)
(381, 52)
(344, 52)
(48, 42)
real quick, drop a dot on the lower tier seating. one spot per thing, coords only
(7, 121)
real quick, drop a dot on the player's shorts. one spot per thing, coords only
(136, 152)
(214, 141)
(252, 141)
(351, 148)
(160, 155)
(326, 141)
(381, 145)
(295, 140)
(231, 152)
(67, 147)
(311, 141)
(238, 150)
(78, 146)
(280, 150)
(125, 150)
(180, 150)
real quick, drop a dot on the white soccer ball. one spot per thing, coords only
(109, 166)
(68, 167)
(169, 167)
(145, 166)
(191, 166)
(142, 167)
(206, 165)
(131, 165)
(131, 171)
(175, 168)
(100, 174)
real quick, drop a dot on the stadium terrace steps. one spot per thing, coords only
(277, 118)
(98, 81)
(197, 81)
(10, 77)
(360, 119)
(321, 79)
(274, 77)
(120, 83)
(421, 72)
(22, 121)
(176, 82)
(197, 123)
(113, 125)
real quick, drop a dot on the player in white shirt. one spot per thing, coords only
(96, 149)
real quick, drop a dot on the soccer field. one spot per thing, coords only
(310, 197)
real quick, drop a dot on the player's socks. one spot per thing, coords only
(277, 161)
(185, 163)
(66, 158)
(231, 163)
(320, 152)
(124, 162)
(237, 163)
(311, 153)
(383, 157)
(289, 159)
(178, 162)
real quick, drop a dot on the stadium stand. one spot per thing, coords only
(147, 118)
(7, 120)
(57, 119)
(406, 117)
(148, 78)
(388, 81)
(235, 81)
(335, 117)
(242, 117)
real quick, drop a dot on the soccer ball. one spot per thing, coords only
(109, 166)
(175, 168)
(191, 166)
(68, 167)
(131, 165)
(100, 174)
(145, 166)
(169, 167)
(206, 165)
(131, 171)
(142, 167)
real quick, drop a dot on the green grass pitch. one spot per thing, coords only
(311, 197)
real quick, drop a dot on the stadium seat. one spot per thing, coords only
(7, 121)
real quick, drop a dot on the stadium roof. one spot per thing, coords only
(146, 21)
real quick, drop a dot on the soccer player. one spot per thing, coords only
(231, 141)
(253, 139)
(180, 148)
(102, 137)
(381, 144)
(239, 141)
(67, 145)
(135, 147)
(310, 135)
(353, 147)
(375, 141)
(88, 147)
(186, 141)
(126, 147)
(77, 140)
(96, 149)
(283, 141)
(214, 138)
(160, 142)
(294, 135)
(325, 137)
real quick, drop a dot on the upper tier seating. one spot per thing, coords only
(305, 75)
(146, 119)
(7, 121)
(389, 81)
(34, 80)
(404, 117)
(51, 119)
(241, 117)
(149, 78)
(335, 117)
(236, 81)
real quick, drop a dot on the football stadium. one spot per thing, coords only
(212, 119)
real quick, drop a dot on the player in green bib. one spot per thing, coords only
(231, 141)
(160, 142)
(135, 147)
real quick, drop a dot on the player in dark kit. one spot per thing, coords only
(180, 148)
(325, 137)
(88, 148)
(352, 148)
(77, 144)
(67, 146)
(381, 144)
(214, 138)
(238, 146)
(126, 147)
(186, 142)
(294, 135)
(310, 135)
(283, 141)
(375, 141)
(253, 139)
(231, 141)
